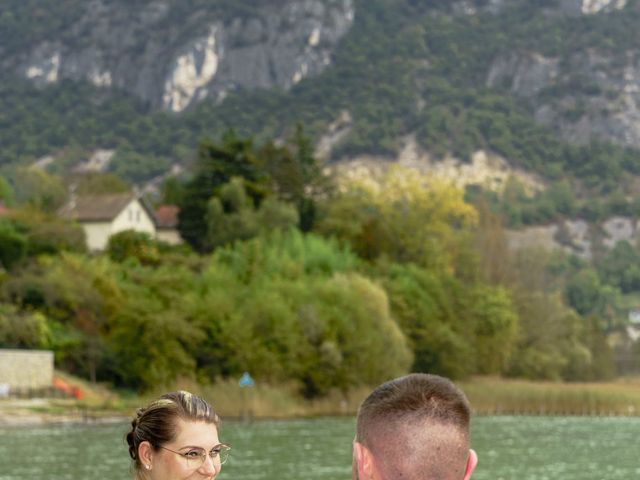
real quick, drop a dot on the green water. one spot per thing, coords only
(510, 448)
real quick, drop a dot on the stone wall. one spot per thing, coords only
(26, 368)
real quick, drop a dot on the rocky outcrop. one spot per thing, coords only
(589, 94)
(484, 169)
(567, 7)
(576, 235)
(589, 7)
(173, 62)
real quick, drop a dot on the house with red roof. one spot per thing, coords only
(167, 224)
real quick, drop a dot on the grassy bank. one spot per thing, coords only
(495, 396)
(488, 396)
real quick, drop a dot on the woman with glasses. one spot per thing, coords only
(176, 438)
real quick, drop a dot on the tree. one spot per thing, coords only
(286, 306)
(23, 329)
(38, 189)
(585, 292)
(241, 220)
(402, 214)
(131, 244)
(217, 165)
(296, 174)
(6, 192)
(48, 234)
(13, 245)
(97, 183)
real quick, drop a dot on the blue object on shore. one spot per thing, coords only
(246, 380)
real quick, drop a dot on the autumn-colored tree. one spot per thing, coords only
(403, 215)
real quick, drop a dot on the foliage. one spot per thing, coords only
(217, 165)
(97, 183)
(6, 192)
(620, 268)
(553, 341)
(454, 331)
(130, 244)
(35, 188)
(23, 329)
(403, 215)
(47, 234)
(13, 245)
(77, 296)
(234, 177)
(586, 294)
(240, 220)
(288, 313)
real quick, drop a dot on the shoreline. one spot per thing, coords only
(27, 419)
(489, 396)
(40, 412)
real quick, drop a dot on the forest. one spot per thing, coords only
(296, 275)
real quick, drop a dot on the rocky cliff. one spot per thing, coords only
(172, 58)
(593, 91)
(457, 77)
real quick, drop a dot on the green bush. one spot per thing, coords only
(131, 244)
(13, 245)
(23, 329)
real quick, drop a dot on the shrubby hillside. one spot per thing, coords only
(548, 85)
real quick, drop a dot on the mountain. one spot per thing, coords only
(172, 55)
(551, 87)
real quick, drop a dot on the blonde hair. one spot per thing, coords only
(156, 423)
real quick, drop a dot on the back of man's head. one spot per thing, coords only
(416, 428)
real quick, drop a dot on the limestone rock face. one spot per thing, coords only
(172, 59)
(592, 94)
(588, 7)
(576, 236)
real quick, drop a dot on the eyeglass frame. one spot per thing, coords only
(221, 447)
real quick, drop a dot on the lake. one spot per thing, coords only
(510, 448)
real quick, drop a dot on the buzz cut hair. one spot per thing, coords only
(418, 427)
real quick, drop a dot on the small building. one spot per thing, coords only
(4, 210)
(634, 316)
(167, 224)
(102, 216)
(25, 369)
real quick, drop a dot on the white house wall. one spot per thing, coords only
(133, 217)
(97, 235)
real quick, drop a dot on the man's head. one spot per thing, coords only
(414, 428)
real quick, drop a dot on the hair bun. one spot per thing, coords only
(132, 435)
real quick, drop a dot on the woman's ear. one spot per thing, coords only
(145, 454)
(472, 461)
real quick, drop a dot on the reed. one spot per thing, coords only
(497, 396)
(488, 396)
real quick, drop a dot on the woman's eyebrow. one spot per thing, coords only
(217, 445)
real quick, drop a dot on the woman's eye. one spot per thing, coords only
(192, 454)
(214, 453)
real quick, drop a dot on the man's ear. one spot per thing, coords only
(472, 461)
(363, 461)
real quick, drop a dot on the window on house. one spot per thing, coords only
(138, 216)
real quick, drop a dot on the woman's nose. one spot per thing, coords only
(210, 467)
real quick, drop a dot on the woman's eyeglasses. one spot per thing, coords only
(195, 457)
